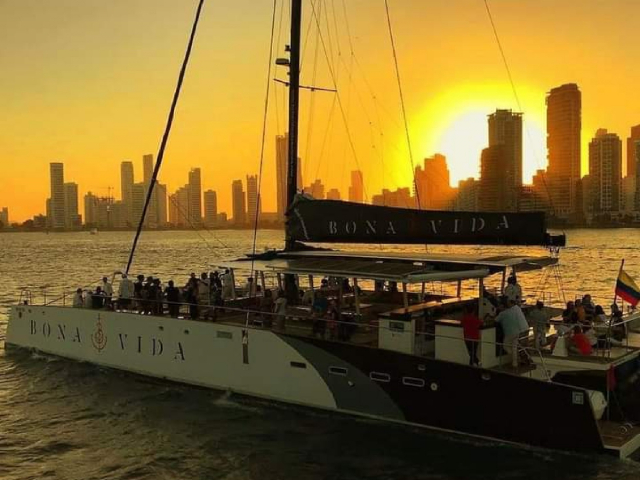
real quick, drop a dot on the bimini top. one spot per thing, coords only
(398, 267)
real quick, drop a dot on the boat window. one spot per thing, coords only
(413, 382)
(298, 365)
(380, 377)
(396, 326)
(338, 371)
(227, 335)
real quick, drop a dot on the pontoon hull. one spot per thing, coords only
(315, 373)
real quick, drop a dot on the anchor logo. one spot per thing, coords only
(99, 338)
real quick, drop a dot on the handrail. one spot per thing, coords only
(215, 309)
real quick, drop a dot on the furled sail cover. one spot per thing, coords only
(346, 222)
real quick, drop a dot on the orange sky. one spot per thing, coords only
(89, 82)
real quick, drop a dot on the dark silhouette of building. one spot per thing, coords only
(432, 187)
(356, 189)
(564, 123)
(605, 172)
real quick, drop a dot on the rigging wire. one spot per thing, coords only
(404, 111)
(340, 105)
(165, 136)
(263, 140)
(517, 98)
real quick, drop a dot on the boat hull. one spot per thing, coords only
(315, 373)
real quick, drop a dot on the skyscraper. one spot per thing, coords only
(252, 199)
(71, 216)
(432, 183)
(238, 203)
(161, 199)
(282, 156)
(356, 190)
(126, 190)
(195, 196)
(505, 128)
(605, 172)
(4, 217)
(495, 193)
(138, 195)
(632, 150)
(210, 208)
(564, 123)
(151, 217)
(57, 210)
(637, 182)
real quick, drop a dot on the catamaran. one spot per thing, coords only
(394, 352)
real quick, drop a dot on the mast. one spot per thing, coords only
(294, 104)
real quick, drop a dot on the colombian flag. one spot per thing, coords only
(627, 289)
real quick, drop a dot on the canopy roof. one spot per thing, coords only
(398, 267)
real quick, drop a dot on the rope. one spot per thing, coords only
(165, 136)
(404, 111)
(517, 98)
(264, 136)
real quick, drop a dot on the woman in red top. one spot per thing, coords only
(471, 328)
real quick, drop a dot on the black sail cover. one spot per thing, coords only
(335, 221)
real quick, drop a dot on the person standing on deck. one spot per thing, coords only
(125, 292)
(204, 295)
(173, 299)
(471, 328)
(513, 291)
(88, 299)
(107, 291)
(540, 322)
(137, 292)
(78, 301)
(511, 323)
(280, 309)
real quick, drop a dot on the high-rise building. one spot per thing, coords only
(239, 203)
(564, 123)
(179, 207)
(253, 205)
(632, 150)
(356, 189)
(316, 190)
(433, 191)
(505, 129)
(138, 196)
(195, 197)
(57, 210)
(605, 172)
(90, 210)
(210, 208)
(147, 168)
(282, 156)
(467, 197)
(4, 217)
(161, 199)
(495, 193)
(126, 190)
(71, 216)
(333, 194)
(151, 216)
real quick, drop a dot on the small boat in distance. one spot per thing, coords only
(375, 335)
(93, 231)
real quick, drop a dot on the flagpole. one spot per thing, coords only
(615, 291)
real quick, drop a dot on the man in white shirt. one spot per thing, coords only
(513, 291)
(125, 292)
(107, 290)
(513, 324)
(78, 301)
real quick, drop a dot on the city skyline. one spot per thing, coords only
(93, 103)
